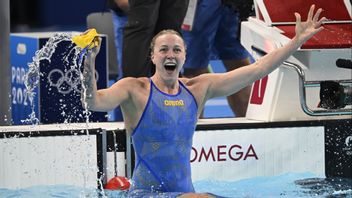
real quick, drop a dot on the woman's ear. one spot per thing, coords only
(152, 57)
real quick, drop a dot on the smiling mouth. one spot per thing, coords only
(170, 66)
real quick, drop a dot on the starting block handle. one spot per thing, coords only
(302, 89)
(302, 94)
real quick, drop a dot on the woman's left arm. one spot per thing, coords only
(231, 82)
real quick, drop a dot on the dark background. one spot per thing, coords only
(52, 15)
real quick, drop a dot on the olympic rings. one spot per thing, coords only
(66, 82)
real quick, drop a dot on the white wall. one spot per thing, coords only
(69, 160)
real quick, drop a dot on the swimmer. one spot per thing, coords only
(162, 133)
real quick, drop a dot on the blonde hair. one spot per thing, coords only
(167, 31)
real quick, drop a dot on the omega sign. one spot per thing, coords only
(223, 153)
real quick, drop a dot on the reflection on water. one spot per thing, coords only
(286, 185)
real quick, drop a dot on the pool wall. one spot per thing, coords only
(223, 149)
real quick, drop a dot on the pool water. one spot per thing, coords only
(286, 185)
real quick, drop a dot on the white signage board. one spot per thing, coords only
(235, 154)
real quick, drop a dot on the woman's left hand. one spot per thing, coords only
(305, 30)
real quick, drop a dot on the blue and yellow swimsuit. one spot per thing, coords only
(163, 141)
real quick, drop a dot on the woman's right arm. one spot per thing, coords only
(103, 99)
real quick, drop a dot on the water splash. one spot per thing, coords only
(65, 81)
(32, 77)
(73, 77)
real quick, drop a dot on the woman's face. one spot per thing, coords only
(168, 55)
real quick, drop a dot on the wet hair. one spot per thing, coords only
(163, 32)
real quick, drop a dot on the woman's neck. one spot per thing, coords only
(166, 86)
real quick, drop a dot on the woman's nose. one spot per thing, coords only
(170, 54)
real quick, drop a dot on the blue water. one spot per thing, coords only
(286, 185)
(276, 186)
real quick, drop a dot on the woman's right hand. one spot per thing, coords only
(94, 51)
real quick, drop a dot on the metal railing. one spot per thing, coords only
(303, 84)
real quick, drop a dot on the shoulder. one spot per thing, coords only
(198, 81)
(131, 86)
(135, 90)
(130, 82)
(198, 86)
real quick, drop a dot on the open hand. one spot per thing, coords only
(305, 30)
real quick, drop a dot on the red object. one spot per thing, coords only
(258, 92)
(278, 11)
(332, 36)
(186, 27)
(118, 183)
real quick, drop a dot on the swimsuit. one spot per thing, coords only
(163, 141)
